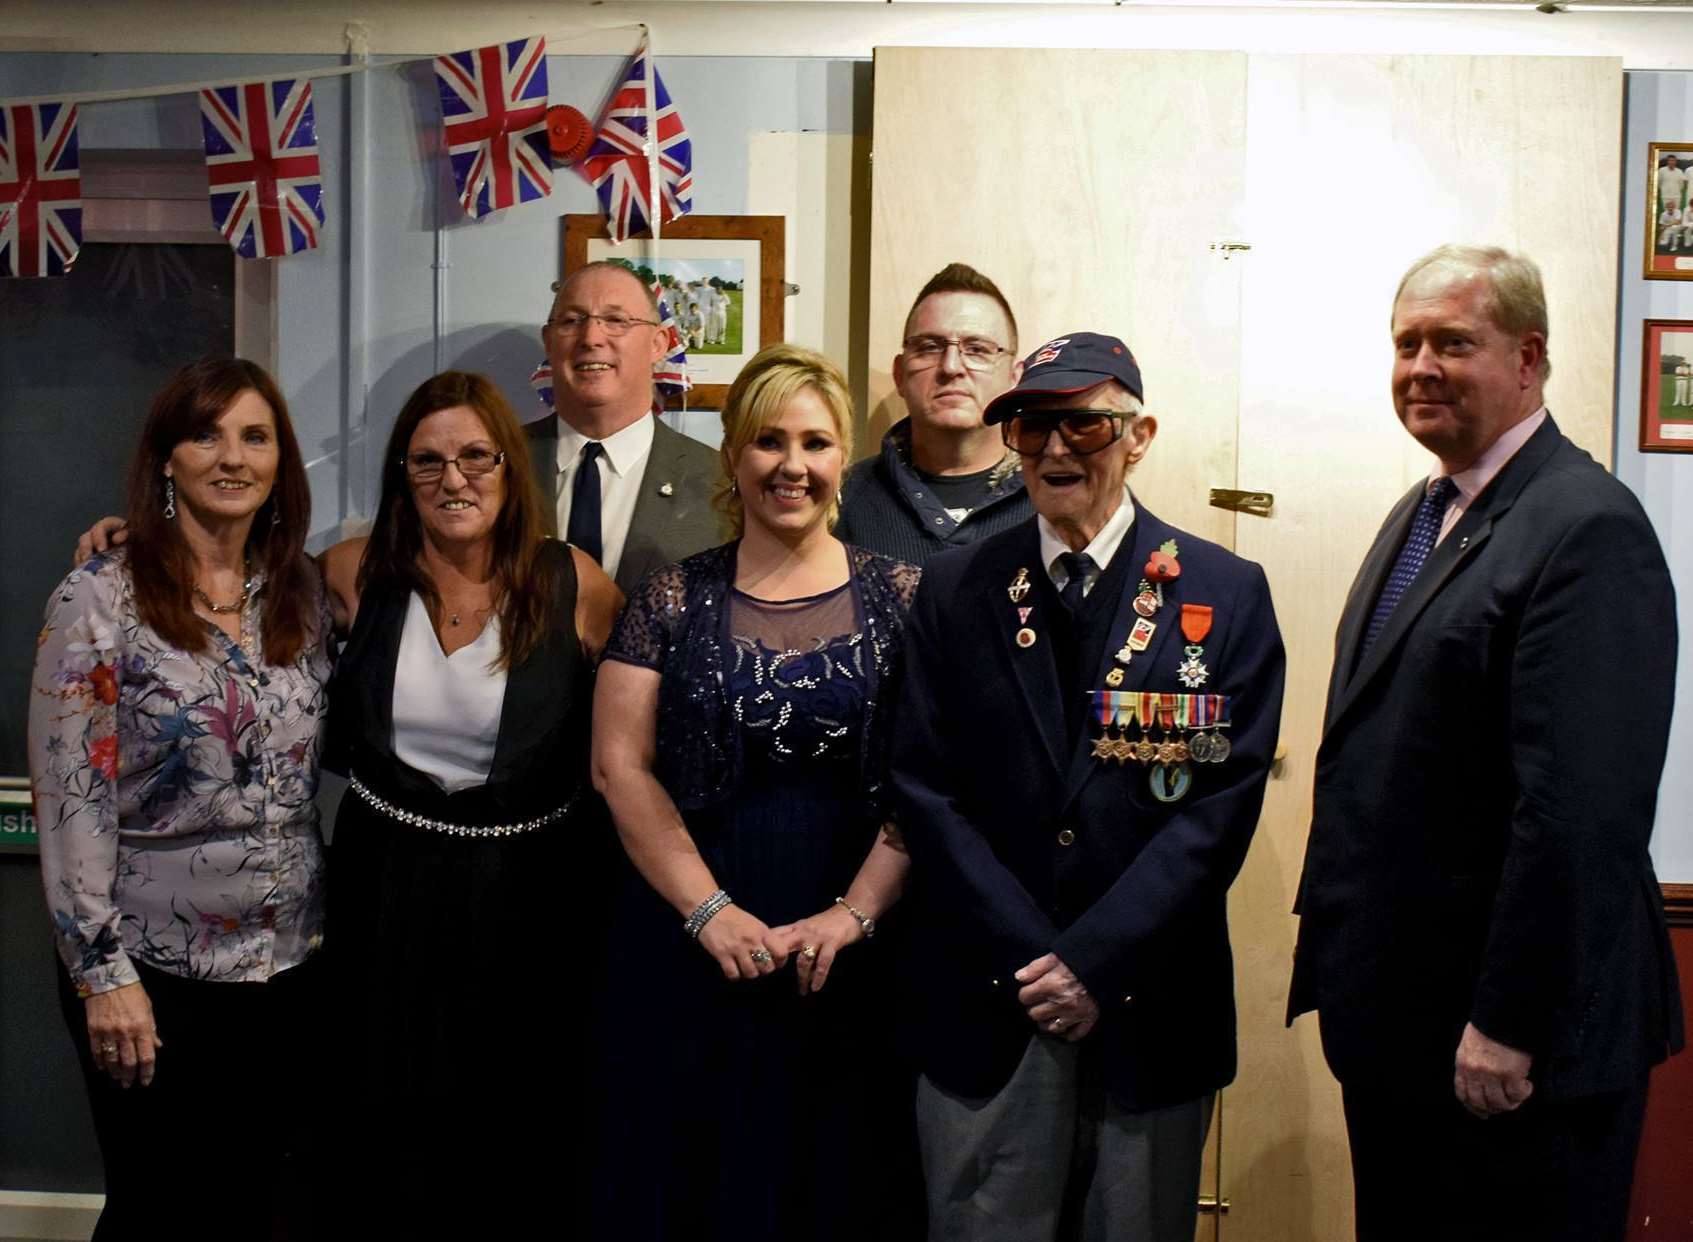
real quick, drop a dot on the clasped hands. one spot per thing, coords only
(1056, 1001)
(745, 948)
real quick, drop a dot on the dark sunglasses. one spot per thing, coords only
(1083, 431)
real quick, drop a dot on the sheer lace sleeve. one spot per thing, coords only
(650, 620)
(904, 579)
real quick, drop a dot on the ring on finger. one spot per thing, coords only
(809, 952)
(109, 1050)
(762, 957)
(1058, 1024)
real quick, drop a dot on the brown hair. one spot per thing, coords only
(161, 566)
(772, 376)
(962, 278)
(524, 585)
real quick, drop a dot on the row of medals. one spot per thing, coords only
(1170, 775)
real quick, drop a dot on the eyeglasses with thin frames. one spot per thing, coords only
(1083, 431)
(427, 467)
(978, 353)
(615, 324)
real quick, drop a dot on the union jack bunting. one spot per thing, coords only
(40, 190)
(494, 108)
(261, 166)
(617, 162)
(670, 373)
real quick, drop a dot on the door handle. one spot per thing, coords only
(1258, 503)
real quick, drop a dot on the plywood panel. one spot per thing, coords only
(1090, 186)
(1355, 166)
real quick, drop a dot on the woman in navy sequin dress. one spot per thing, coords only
(740, 742)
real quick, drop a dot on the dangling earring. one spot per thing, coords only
(170, 499)
(734, 487)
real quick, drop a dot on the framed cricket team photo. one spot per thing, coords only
(720, 278)
(1666, 387)
(1669, 214)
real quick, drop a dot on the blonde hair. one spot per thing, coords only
(768, 382)
(1516, 298)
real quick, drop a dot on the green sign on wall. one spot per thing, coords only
(17, 820)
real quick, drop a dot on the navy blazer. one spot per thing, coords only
(1485, 791)
(1133, 896)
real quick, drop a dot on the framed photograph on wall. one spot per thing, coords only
(1669, 211)
(722, 277)
(1666, 387)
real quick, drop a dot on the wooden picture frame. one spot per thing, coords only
(748, 247)
(1669, 211)
(1666, 386)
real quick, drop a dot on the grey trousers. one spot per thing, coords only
(1051, 1159)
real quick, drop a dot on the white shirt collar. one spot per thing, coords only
(1102, 547)
(625, 450)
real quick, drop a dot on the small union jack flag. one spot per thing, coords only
(617, 162)
(494, 107)
(40, 190)
(670, 373)
(262, 167)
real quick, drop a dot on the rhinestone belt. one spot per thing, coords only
(415, 820)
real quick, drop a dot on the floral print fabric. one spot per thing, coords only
(174, 791)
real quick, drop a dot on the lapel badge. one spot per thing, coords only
(1141, 636)
(1023, 614)
(1025, 637)
(665, 489)
(1114, 678)
(1019, 587)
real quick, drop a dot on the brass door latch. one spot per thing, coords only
(1257, 503)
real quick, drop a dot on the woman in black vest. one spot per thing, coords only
(469, 847)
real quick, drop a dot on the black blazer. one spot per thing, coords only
(1133, 896)
(1485, 790)
(673, 515)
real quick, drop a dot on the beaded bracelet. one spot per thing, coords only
(704, 912)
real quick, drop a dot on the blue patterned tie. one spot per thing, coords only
(1425, 529)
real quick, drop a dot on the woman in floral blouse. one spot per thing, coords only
(174, 733)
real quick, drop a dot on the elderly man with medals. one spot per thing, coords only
(1087, 723)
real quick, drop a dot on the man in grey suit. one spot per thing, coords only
(625, 488)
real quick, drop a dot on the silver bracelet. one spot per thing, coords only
(865, 922)
(705, 912)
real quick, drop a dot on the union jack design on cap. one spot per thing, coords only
(1066, 365)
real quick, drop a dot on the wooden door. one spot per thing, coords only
(1106, 191)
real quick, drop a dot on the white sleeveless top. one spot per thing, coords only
(447, 707)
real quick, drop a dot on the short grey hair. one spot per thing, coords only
(559, 286)
(1516, 300)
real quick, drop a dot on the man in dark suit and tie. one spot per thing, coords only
(1481, 931)
(1090, 707)
(625, 488)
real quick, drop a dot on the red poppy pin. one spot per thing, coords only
(1162, 566)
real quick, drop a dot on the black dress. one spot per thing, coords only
(747, 1111)
(459, 956)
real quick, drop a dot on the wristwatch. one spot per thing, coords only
(865, 922)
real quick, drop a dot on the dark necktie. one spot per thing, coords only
(1077, 565)
(1425, 529)
(585, 502)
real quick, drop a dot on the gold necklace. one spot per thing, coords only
(238, 605)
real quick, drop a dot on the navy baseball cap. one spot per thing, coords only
(1066, 365)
